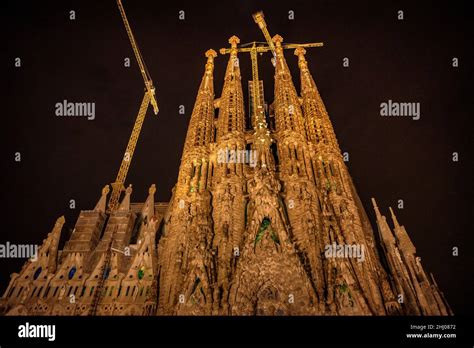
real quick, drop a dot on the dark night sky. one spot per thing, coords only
(390, 158)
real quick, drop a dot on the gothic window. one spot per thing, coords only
(37, 273)
(39, 291)
(72, 271)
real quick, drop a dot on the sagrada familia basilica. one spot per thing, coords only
(236, 238)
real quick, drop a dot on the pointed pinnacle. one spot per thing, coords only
(61, 220)
(394, 218)
(105, 190)
(376, 208)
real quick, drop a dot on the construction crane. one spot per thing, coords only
(263, 48)
(258, 47)
(149, 97)
(259, 19)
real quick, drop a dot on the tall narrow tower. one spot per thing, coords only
(228, 180)
(185, 261)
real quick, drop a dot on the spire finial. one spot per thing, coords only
(105, 190)
(148, 210)
(60, 221)
(376, 208)
(234, 41)
(152, 189)
(277, 39)
(125, 205)
(101, 204)
(300, 52)
(211, 54)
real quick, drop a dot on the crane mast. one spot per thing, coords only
(257, 105)
(141, 63)
(149, 97)
(260, 20)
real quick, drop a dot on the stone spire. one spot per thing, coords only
(200, 126)
(382, 224)
(404, 241)
(193, 170)
(291, 135)
(318, 125)
(420, 295)
(147, 213)
(49, 249)
(148, 210)
(231, 122)
(231, 111)
(102, 203)
(394, 218)
(288, 114)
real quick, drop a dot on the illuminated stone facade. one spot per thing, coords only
(236, 238)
